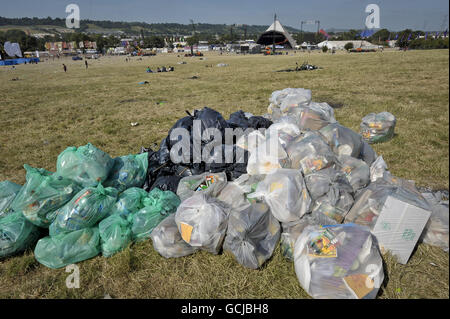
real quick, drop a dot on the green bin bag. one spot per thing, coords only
(66, 249)
(86, 209)
(115, 234)
(128, 171)
(158, 205)
(8, 191)
(129, 202)
(86, 165)
(43, 193)
(16, 234)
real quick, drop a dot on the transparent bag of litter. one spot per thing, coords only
(285, 192)
(370, 201)
(250, 140)
(115, 234)
(167, 240)
(338, 262)
(377, 128)
(290, 233)
(314, 116)
(86, 165)
(129, 202)
(128, 171)
(86, 209)
(284, 131)
(202, 222)
(207, 183)
(289, 98)
(332, 195)
(42, 194)
(235, 193)
(16, 234)
(310, 153)
(69, 248)
(267, 157)
(252, 234)
(436, 232)
(157, 206)
(377, 169)
(343, 141)
(8, 191)
(356, 171)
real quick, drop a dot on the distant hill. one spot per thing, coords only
(57, 25)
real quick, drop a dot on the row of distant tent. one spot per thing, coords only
(12, 49)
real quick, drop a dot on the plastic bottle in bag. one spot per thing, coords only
(207, 183)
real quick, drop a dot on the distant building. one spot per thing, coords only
(339, 45)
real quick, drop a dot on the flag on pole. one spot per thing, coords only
(409, 37)
(445, 33)
(426, 35)
(322, 31)
(396, 36)
(437, 34)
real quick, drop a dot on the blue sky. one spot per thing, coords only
(394, 14)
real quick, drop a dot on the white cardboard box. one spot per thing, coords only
(399, 227)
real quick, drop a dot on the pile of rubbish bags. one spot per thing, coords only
(297, 178)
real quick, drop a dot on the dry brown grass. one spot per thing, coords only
(47, 110)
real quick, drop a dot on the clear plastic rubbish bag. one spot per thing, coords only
(252, 234)
(202, 222)
(267, 157)
(356, 171)
(285, 192)
(369, 201)
(338, 262)
(290, 233)
(207, 183)
(167, 240)
(436, 232)
(310, 153)
(376, 128)
(289, 98)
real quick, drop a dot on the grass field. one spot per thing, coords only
(47, 110)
